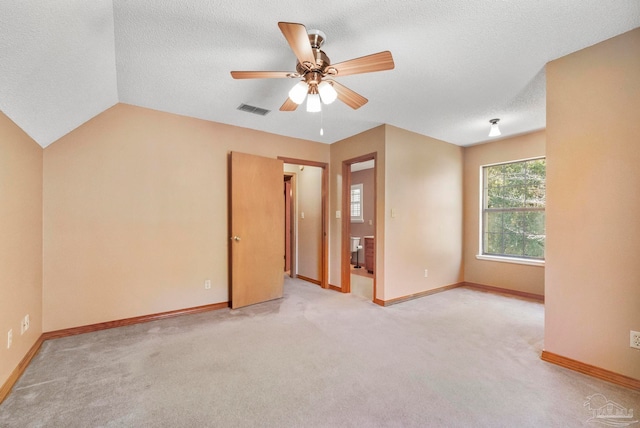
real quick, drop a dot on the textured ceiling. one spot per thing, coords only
(458, 63)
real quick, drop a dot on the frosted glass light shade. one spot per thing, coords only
(327, 93)
(494, 131)
(313, 103)
(298, 93)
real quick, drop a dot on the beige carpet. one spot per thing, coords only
(461, 358)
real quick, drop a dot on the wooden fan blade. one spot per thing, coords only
(349, 97)
(298, 39)
(289, 105)
(366, 64)
(262, 74)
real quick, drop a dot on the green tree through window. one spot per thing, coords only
(513, 220)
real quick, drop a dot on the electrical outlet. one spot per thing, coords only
(207, 284)
(24, 324)
(634, 341)
(426, 273)
(9, 338)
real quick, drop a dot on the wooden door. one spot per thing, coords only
(256, 229)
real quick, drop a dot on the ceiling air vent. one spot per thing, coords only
(253, 109)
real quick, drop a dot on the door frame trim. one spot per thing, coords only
(345, 254)
(324, 271)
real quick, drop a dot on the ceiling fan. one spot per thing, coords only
(316, 72)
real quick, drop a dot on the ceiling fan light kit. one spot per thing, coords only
(299, 92)
(313, 66)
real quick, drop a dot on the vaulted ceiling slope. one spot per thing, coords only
(458, 63)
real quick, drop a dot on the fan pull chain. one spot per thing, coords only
(321, 130)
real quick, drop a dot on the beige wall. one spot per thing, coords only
(593, 198)
(423, 186)
(371, 141)
(135, 213)
(309, 228)
(511, 276)
(20, 243)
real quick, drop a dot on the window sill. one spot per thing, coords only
(357, 221)
(530, 262)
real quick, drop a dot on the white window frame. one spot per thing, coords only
(360, 218)
(492, 257)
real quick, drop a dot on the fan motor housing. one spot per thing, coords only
(322, 62)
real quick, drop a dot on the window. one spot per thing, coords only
(356, 204)
(513, 217)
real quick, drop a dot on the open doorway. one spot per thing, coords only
(289, 224)
(358, 274)
(305, 194)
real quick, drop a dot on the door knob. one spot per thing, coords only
(235, 238)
